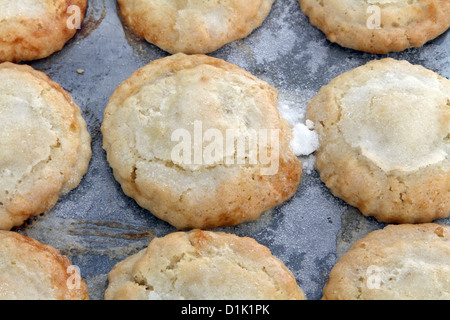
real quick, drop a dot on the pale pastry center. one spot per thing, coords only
(26, 137)
(412, 278)
(30, 8)
(215, 21)
(398, 122)
(18, 282)
(203, 16)
(411, 273)
(188, 106)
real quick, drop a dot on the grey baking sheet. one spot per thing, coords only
(96, 225)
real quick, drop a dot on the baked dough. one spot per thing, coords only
(384, 133)
(193, 26)
(399, 262)
(30, 270)
(35, 29)
(197, 94)
(202, 265)
(379, 26)
(44, 144)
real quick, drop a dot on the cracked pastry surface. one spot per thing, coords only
(30, 270)
(402, 24)
(202, 265)
(35, 29)
(44, 144)
(193, 26)
(384, 132)
(399, 262)
(198, 94)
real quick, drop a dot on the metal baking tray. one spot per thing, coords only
(96, 225)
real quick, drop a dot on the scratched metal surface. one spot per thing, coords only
(96, 225)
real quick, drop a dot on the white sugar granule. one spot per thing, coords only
(305, 141)
(292, 108)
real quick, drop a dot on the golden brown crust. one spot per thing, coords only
(390, 190)
(27, 193)
(32, 270)
(190, 196)
(24, 38)
(202, 265)
(398, 262)
(403, 25)
(193, 26)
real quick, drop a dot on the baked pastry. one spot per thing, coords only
(399, 262)
(30, 270)
(384, 133)
(193, 26)
(202, 265)
(44, 144)
(185, 134)
(35, 29)
(377, 26)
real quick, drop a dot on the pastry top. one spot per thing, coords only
(171, 134)
(30, 270)
(398, 116)
(398, 262)
(379, 26)
(44, 144)
(384, 132)
(34, 29)
(202, 265)
(193, 26)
